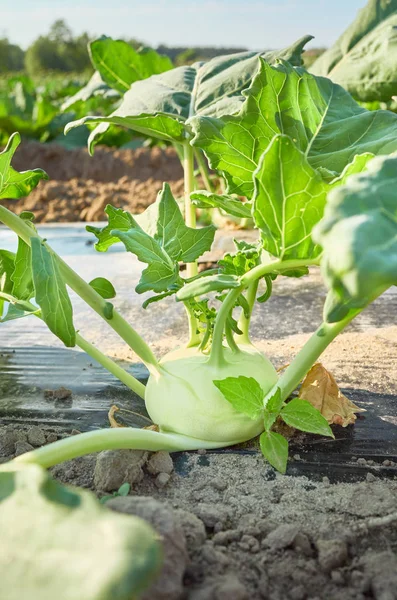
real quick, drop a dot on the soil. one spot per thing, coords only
(251, 533)
(80, 185)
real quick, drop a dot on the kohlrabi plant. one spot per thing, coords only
(299, 158)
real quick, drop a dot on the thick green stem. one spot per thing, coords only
(230, 338)
(114, 439)
(244, 321)
(129, 380)
(308, 355)
(194, 337)
(202, 165)
(87, 293)
(216, 355)
(190, 211)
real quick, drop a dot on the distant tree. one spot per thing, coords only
(11, 56)
(58, 51)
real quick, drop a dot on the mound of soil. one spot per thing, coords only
(80, 185)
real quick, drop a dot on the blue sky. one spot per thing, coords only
(250, 23)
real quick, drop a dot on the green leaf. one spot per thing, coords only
(229, 204)
(77, 548)
(275, 449)
(158, 237)
(204, 285)
(272, 409)
(286, 208)
(7, 266)
(103, 287)
(321, 118)
(161, 272)
(19, 311)
(14, 185)
(239, 263)
(51, 293)
(118, 219)
(22, 275)
(120, 65)
(95, 86)
(364, 58)
(303, 416)
(359, 237)
(161, 105)
(244, 394)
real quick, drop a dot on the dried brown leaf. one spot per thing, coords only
(321, 390)
(111, 417)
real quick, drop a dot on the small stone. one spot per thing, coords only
(371, 462)
(386, 463)
(7, 442)
(169, 584)
(337, 577)
(201, 451)
(302, 544)
(162, 479)
(370, 477)
(332, 554)
(193, 528)
(297, 457)
(222, 538)
(231, 588)
(22, 447)
(326, 481)
(219, 484)
(75, 432)
(36, 436)
(281, 537)
(115, 467)
(361, 461)
(250, 544)
(51, 438)
(21, 436)
(211, 514)
(160, 462)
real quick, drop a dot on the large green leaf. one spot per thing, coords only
(359, 236)
(289, 200)
(60, 542)
(16, 185)
(163, 104)
(51, 293)
(322, 119)
(95, 86)
(120, 65)
(364, 59)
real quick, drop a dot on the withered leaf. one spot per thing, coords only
(321, 390)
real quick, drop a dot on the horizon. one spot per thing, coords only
(167, 22)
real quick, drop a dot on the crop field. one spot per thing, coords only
(198, 318)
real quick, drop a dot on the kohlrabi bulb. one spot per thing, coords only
(183, 398)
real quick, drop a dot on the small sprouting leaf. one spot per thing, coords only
(303, 416)
(275, 449)
(16, 185)
(103, 287)
(108, 310)
(77, 549)
(244, 394)
(272, 409)
(239, 263)
(51, 293)
(124, 489)
(321, 390)
(229, 204)
(204, 285)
